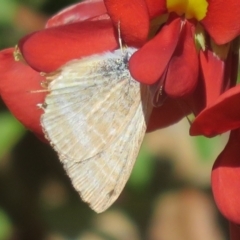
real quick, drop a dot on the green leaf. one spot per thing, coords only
(7, 10)
(11, 131)
(206, 147)
(142, 171)
(6, 226)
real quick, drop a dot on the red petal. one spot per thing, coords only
(148, 64)
(48, 49)
(77, 13)
(212, 74)
(196, 101)
(226, 179)
(220, 117)
(16, 82)
(169, 113)
(182, 75)
(133, 18)
(234, 231)
(156, 8)
(222, 20)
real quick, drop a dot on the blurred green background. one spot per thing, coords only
(168, 196)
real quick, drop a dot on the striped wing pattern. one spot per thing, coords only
(95, 117)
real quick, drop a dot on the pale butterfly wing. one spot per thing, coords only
(95, 117)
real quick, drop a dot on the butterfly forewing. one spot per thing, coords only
(95, 118)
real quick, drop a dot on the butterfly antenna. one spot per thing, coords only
(119, 37)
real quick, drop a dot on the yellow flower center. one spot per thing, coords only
(190, 8)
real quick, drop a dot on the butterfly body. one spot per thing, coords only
(95, 118)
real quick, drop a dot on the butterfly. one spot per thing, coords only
(95, 117)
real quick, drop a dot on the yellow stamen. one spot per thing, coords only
(18, 55)
(177, 6)
(190, 8)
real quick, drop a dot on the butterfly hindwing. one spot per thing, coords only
(95, 118)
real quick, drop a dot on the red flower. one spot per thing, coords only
(81, 30)
(234, 231)
(226, 179)
(173, 48)
(86, 28)
(219, 117)
(17, 79)
(187, 54)
(169, 60)
(47, 50)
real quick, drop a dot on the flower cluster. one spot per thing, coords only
(188, 55)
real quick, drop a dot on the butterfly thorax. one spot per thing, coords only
(116, 66)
